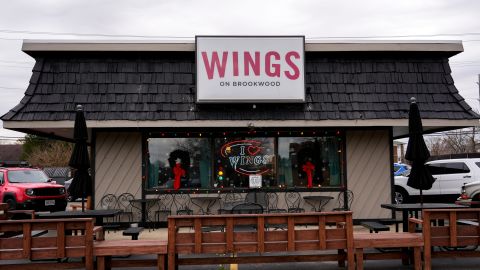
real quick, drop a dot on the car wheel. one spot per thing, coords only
(12, 204)
(401, 196)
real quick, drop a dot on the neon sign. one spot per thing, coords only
(247, 157)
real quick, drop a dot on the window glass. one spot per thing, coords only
(309, 161)
(27, 176)
(435, 169)
(177, 163)
(242, 162)
(457, 167)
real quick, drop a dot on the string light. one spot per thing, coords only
(225, 134)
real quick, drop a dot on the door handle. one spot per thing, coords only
(467, 176)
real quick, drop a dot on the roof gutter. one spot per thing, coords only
(32, 46)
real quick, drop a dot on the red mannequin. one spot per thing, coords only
(308, 168)
(178, 172)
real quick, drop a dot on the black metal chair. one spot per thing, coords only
(271, 200)
(293, 200)
(109, 201)
(124, 204)
(342, 204)
(164, 207)
(256, 197)
(183, 204)
(228, 201)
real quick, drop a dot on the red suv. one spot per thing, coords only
(27, 188)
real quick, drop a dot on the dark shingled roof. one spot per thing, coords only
(161, 86)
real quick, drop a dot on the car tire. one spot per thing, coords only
(401, 196)
(12, 204)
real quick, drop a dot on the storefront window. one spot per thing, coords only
(217, 162)
(178, 163)
(309, 161)
(244, 162)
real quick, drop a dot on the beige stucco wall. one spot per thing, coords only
(118, 167)
(118, 164)
(368, 172)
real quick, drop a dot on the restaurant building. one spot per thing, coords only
(223, 114)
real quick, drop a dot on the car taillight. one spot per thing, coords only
(463, 194)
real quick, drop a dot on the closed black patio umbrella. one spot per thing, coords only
(81, 186)
(417, 152)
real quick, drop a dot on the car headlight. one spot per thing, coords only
(29, 192)
(61, 190)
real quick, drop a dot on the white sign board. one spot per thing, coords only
(250, 69)
(255, 180)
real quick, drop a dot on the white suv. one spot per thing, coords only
(450, 175)
(471, 191)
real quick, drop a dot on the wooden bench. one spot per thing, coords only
(133, 232)
(374, 226)
(294, 243)
(70, 238)
(6, 213)
(58, 244)
(104, 250)
(388, 240)
(448, 233)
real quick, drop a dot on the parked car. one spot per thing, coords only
(450, 175)
(470, 191)
(28, 188)
(67, 184)
(400, 169)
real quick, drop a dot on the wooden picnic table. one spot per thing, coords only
(97, 214)
(414, 208)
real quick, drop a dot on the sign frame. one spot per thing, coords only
(300, 99)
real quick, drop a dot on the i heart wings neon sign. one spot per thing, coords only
(246, 157)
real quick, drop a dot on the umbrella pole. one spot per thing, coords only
(83, 198)
(421, 197)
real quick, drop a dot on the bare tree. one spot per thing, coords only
(454, 142)
(51, 154)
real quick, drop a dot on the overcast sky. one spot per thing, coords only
(84, 19)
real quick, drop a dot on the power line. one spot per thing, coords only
(10, 66)
(83, 34)
(10, 31)
(11, 88)
(16, 62)
(403, 36)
